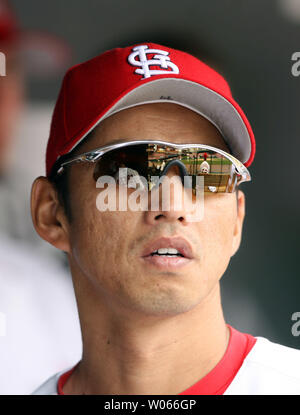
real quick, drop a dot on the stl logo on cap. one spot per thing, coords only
(161, 58)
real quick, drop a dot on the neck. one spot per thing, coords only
(130, 353)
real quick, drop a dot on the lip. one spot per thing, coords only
(179, 243)
(166, 263)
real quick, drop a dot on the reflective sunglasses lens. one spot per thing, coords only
(151, 160)
(134, 158)
(218, 172)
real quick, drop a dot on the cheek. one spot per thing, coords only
(218, 228)
(100, 239)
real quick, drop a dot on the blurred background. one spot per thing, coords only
(251, 43)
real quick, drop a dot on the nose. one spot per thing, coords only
(180, 168)
(168, 199)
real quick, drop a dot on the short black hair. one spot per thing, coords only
(61, 185)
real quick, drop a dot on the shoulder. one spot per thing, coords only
(49, 387)
(269, 368)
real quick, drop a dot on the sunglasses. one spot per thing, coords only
(151, 160)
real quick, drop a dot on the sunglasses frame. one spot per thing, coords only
(95, 155)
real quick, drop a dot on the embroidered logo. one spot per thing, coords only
(160, 59)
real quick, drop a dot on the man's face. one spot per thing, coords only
(106, 247)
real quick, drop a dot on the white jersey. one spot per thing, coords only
(268, 369)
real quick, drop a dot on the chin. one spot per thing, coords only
(165, 305)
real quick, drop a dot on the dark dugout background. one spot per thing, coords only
(251, 43)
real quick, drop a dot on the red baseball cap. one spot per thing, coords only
(144, 73)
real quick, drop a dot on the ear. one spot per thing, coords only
(237, 234)
(48, 215)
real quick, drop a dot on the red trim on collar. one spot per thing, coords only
(63, 379)
(219, 378)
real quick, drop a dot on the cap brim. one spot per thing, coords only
(223, 112)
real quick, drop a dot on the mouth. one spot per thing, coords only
(168, 253)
